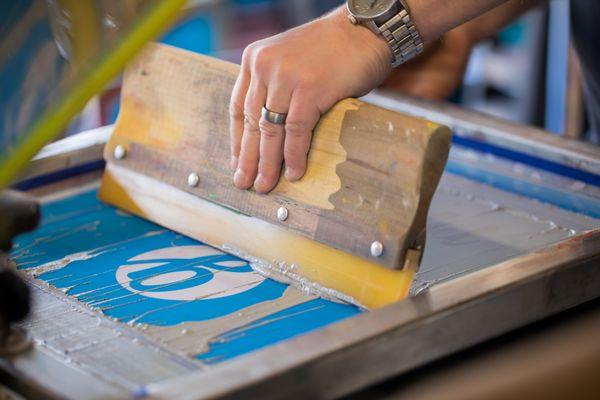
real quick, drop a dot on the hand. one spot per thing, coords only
(302, 72)
(438, 71)
(20, 214)
(14, 297)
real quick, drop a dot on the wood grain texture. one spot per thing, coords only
(371, 172)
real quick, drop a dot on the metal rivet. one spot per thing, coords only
(282, 213)
(193, 179)
(120, 152)
(376, 249)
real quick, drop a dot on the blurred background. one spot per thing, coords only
(515, 75)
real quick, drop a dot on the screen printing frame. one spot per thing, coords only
(374, 346)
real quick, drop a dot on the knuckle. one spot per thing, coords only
(248, 52)
(296, 128)
(251, 124)
(268, 129)
(264, 57)
(261, 64)
(236, 110)
(263, 51)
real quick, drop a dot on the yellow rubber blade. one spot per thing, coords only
(368, 284)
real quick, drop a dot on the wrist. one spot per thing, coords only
(361, 34)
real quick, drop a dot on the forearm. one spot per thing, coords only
(494, 20)
(433, 18)
(476, 19)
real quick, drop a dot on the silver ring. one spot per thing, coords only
(273, 117)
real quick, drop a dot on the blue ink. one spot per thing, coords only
(94, 282)
(306, 317)
(137, 272)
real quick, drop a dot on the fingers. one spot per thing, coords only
(264, 145)
(302, 118)
(258, 146)
(271, 140)
(247, 167)
(236, 115)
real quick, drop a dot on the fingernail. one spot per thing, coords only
(259, 182)
(291, 174)
(239, 177)
(233, 163)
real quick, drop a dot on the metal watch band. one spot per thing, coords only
(402, 37)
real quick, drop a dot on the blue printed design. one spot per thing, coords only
(138, 272)
(93, 282)
(306, 317)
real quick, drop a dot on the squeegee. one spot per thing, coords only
(353, 228)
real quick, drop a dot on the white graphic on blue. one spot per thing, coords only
(162, 279)
(165, 279)
(187, 273)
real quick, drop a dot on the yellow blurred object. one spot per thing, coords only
(55, 56)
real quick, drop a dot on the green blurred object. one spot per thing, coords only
(57, 54)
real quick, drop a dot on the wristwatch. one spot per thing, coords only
(390, 19)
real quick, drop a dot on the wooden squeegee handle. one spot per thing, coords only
(371, 172)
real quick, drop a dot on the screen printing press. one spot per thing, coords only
(124, 308)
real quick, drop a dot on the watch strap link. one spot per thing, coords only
(402, 37)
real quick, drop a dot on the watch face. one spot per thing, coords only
(370, 9)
